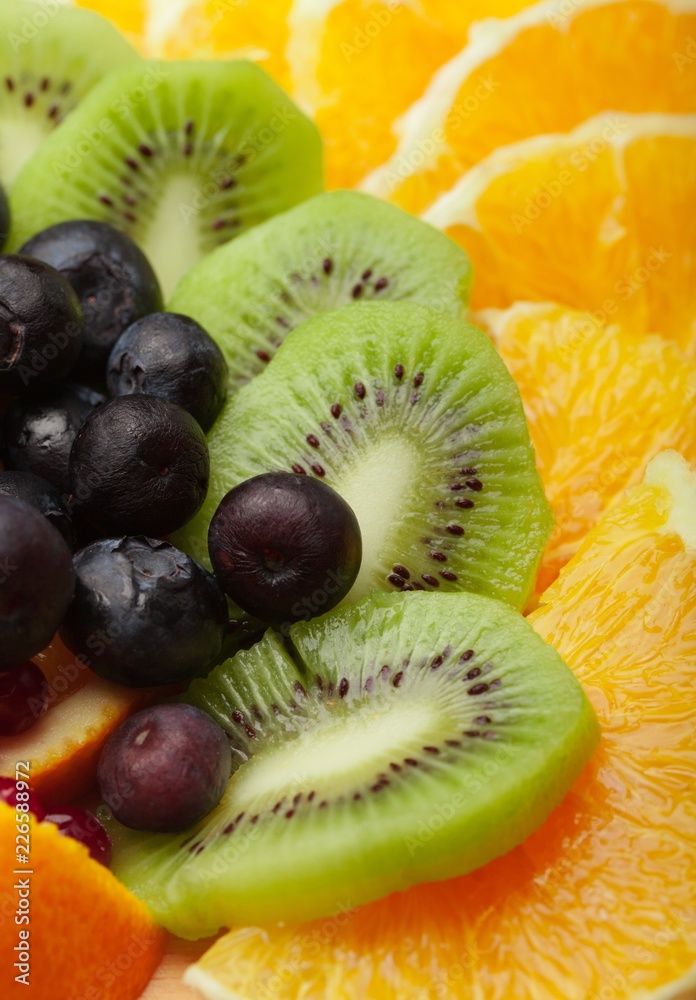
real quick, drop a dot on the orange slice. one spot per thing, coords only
(355, 65)
(586, 219)
(87, 935)
(600, 402)
(63, 748)
(599, 901)
(360, 65)
(214, 29)
(529, 75)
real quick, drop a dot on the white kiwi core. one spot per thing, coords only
(381, 481)
(330, 754)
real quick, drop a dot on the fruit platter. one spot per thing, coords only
(348, 499)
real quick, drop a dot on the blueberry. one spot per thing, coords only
(23, 698)
(285, 547)
(139, 466)
(144, 613)
(43, 496)
(36, 581)
(171, 356)
(38, 431)
(165, 768)
(112, 277)
(41, 325)
(4, 217)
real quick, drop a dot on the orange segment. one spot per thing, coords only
(599, 901)
(367, 62)
(529, 75)
(88, 936)
(253, 29)
(586, 219)
(600, 402)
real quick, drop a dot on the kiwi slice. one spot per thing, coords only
(51, 56)
(334, 249)
(412, 416)
(182, 156)
(407, 739)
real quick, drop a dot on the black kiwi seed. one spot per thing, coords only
(478, 689)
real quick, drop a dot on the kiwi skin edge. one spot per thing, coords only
(412, 416)
(324, 811)
(182, 156)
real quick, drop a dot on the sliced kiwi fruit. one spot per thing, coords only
(410, 738)
(413, 418)
(334, 249)
(182, 156)
(51, 57)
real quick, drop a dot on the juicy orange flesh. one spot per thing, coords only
(87, 932)
(218, 29)
(368, 73)
(582, 385)
(602, 893)
(616, 241)
(501, 101)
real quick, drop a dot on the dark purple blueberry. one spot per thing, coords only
(43, 496)
(4, 217)
(139, 466)
(80, 825)
(171, 356)
(23, 698)
(144, 613)
(12, 795)
(36, 581)
(38, 431)
(41, 325)
(285, 547)
(165, 768)
(112, 277)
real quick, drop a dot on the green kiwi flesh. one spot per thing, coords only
(51, 57)
(413, 418)
(182, 156)
(334, 249)
(410, 738)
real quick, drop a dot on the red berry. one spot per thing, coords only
(9, 793)
(83, 826)
(23, 698)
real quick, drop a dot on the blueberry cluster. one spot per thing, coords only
(105, 400)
